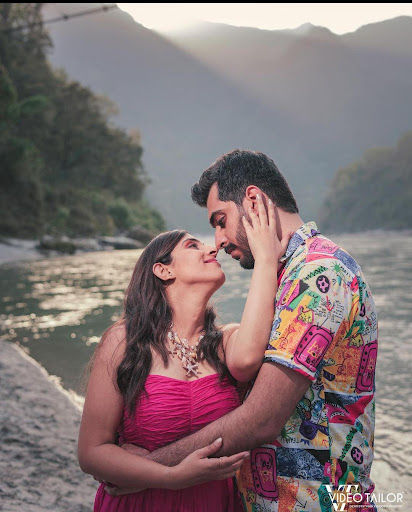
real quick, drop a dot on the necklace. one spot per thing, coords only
(185, 352)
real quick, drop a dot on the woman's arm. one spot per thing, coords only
(99, 455)
(244, 347)
(97, 452)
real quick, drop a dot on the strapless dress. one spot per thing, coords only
(173, 409)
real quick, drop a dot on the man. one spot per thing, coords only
(309, 417)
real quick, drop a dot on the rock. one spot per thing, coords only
(87, 244)
(120, 242)
(140, 234)
(59, 244)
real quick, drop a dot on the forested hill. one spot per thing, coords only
(65, 169)
(372, 193)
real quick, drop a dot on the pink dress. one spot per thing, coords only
(174, 409)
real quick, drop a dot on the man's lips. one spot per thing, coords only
(233, 252)
(230, 248)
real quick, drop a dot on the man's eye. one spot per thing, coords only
(220, 223)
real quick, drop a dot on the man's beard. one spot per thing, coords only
(246, 261)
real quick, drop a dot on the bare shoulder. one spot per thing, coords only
(112, 346)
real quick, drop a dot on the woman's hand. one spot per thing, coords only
(198, 468)
(262, 235)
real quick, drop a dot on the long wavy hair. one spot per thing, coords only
(148, 318)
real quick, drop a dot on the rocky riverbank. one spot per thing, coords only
(14, 249)
(39, 427)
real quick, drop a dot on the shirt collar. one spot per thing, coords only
(308, 230)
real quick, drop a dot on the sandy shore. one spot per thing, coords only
(39, 424)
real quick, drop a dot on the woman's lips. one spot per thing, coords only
(212, 261)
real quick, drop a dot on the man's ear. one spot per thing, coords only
(249, 200)
(162, 271)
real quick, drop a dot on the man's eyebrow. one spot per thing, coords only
(212, 217)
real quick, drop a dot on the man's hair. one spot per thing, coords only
(235, 171)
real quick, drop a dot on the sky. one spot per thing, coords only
(340, 18)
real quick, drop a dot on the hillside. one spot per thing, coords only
(373, 193)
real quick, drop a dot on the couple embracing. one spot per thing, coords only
(273, 414)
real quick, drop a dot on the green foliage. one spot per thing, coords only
(65, 168)
(126, 214)
(121, 214)
(373, 193)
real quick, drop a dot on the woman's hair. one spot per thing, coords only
(148, 318)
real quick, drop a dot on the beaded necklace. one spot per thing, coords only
(186, 353)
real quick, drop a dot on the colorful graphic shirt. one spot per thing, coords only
(325, 327)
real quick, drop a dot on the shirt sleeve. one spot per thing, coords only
(312, 309)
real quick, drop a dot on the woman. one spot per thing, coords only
(166, 370)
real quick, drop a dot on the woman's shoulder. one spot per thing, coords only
(116, 331)
(113, 341)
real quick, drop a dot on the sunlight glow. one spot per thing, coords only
(338, 17)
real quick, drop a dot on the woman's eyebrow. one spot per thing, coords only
(191, 240)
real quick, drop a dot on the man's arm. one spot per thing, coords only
(257, 421)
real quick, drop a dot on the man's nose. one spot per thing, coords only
(220, 239)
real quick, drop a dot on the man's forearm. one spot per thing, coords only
(224, 427)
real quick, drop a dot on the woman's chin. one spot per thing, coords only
(219, 280)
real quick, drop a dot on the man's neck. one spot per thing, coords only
(288, 222)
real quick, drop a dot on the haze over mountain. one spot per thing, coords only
(310, 99)
(339, 86)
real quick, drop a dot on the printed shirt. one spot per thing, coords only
(325, 328)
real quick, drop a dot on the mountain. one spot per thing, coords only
(390, 36)
(310, 99)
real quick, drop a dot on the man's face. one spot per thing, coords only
(230, 235)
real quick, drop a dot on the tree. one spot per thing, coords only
(64, 165)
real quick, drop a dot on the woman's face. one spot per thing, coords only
(194, 262)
